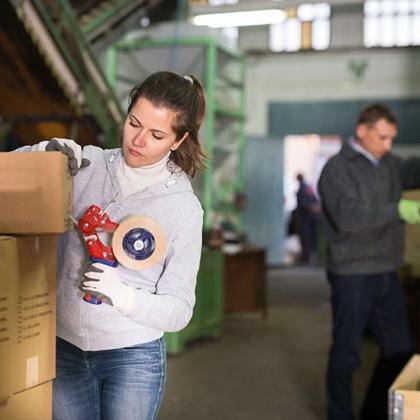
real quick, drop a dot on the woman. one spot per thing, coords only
(111, 357)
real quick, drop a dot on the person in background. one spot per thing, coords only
(364, 215)
(111, 361)
(306, 218)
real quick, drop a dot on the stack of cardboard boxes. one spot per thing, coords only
(35, 201)
(412, 240)
(404, 394)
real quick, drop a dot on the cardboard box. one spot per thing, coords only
(412, 240)
(29, 272)
(35, 193)
(404, 393)
(32, 404)
(8, 286)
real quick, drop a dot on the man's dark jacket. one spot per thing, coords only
(360, 210)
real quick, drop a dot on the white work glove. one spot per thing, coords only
(69, 147)
(107, 282)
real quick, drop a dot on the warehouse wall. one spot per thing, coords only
(338, 118)
(264, 212)
(347, 71)
(328, 76)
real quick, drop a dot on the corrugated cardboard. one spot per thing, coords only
(32, 404)
(35, 193)
(412, 240)
(32, 323)
(404, 394)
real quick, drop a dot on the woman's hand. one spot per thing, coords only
(72, 150)
(106, 281)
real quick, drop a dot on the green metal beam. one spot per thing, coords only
(228, 112)
(201, 41)
(111, 66)
(119, 8)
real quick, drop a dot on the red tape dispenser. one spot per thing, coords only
(137, 242)
(95, 219)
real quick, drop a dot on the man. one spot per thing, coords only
(360, 190)
(307, 213)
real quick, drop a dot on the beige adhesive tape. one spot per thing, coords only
(32, 371)
(128, 225)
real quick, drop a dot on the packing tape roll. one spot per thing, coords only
(138, 243)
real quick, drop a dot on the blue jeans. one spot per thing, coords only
(377, 302)
(118, 384)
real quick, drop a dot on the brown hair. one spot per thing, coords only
(183, 95)
(375, 112)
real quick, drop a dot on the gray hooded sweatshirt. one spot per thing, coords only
(165, 293)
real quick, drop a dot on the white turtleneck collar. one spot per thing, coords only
(136, 179)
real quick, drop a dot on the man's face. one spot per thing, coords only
(377, 138)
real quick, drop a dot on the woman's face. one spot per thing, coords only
(148, 135)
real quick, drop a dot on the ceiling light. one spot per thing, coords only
(248, 18)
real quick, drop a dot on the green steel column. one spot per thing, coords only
(111, 66)
(240, 182)
(241, 144)
(210, 127)
(114, 9)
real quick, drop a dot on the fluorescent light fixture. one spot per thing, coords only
(246, 18)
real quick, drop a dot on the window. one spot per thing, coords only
(307, 27)
(391, 23)
(222, 2)
(231, 33)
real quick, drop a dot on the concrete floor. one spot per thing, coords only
(263, 369)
